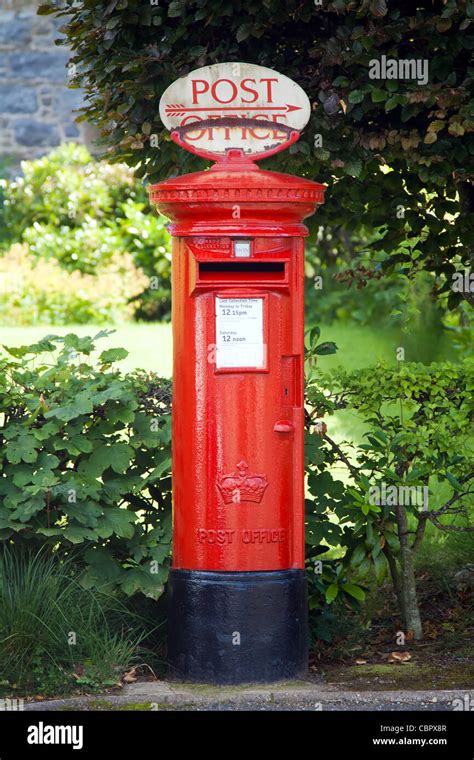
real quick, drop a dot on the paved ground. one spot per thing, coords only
(295, 695)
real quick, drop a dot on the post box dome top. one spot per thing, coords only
(236, 194)
(234, 106)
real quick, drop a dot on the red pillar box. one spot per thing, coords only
(237, 589)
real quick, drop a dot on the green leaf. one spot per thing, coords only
(123, 108)
(324, 349)
(392, 542)
(22, 449)
(78, 534)
(79, 442)
(243, 33)
(115, 391)
(364, 568)
(84, 512)
(22, 475)
(356, 96)
(139, 579)
(45, 479)
(355, 591)
(117, 456)
(102, 566)
(84, 345)
(113, 355)
(113, 22)
(175, 9)
(160, 469)
(118, 521)
(454, 481)
(356, 495)
(358, 555)
(353, 167)
(81, 404)
(370, 537)
(29, 507)
(380, 564)
(378, 95)
(45, 10)
(392, 103)
(331, 592)
(47, 461)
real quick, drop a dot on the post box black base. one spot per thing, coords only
(237, 627)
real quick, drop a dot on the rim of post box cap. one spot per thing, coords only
(236, 178)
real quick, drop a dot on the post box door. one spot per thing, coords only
(238, 405)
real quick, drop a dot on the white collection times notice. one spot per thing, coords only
(239, 333)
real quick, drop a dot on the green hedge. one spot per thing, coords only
(85, 461)
(85, 464)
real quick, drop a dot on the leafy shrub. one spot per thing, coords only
(86, 214)
(42, 292)
(85, 249)
(414, 468)
(85, 464)
(41, 604)
(460, 326)
(85, 460)
(146, 238)
(64, 188)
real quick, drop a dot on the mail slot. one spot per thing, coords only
(254, 270)
(238, 421)
(238, 273)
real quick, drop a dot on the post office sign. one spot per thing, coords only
(233, 95)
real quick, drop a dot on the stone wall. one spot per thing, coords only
(36, 105)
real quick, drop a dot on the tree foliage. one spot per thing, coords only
(396, 154)
(414, 467)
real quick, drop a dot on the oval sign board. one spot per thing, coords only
(233, 95)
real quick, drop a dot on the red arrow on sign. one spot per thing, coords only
(179, 109)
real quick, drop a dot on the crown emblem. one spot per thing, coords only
(242, 486)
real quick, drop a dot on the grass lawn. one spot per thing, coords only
(363, 346)
(149, 344)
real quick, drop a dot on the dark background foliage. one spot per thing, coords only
(408, 144)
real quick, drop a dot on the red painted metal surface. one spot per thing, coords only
(238, 478)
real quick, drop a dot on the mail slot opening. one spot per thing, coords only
(241, 270)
